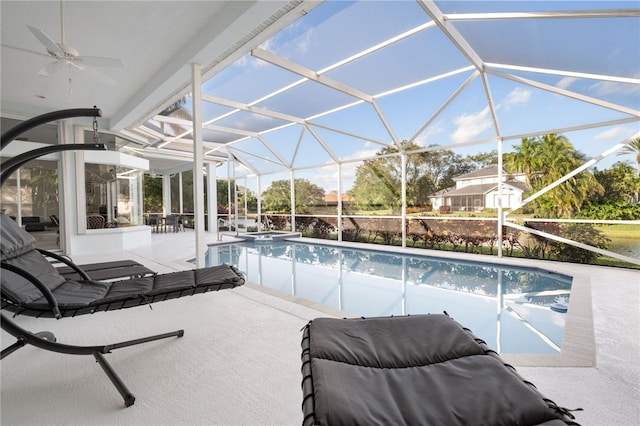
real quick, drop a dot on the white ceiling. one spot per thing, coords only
(157, 40)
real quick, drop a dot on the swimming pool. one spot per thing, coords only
(514, 309)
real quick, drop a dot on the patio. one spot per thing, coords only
(239, 360)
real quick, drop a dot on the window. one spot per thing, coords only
(30, 196)
(113, 196)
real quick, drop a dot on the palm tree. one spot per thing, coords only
(560, 159)
(545, 160)
(632, 148)
(526, 159)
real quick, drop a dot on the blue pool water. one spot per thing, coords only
(508, 307)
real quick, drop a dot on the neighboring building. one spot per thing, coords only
(478, 190)
(331, 199)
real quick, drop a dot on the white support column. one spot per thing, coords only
(212, 198)
(66, 188)
(244, 197)
(229, 179)
(500, 222)
(292, 198)
(180, 195)
(500, 305)
(259, 200)
(136, 202)
(198, 160)
(235, 201)
(166, 195)
(403, 195)
(340, 202)
(79, 179)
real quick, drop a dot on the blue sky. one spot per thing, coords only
(413, 82)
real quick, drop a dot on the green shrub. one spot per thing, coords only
(611, 210)
(584, 233)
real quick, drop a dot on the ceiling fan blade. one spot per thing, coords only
(97, 75)
(50, 68)
(22, 49)
(97, 61)
(78, 66)
(52, 48)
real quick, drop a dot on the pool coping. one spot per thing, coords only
(578, 347)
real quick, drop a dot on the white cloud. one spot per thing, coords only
(364, 153)
(471, 125)
(615, 133)
(565, 82)
(604, 88)
(517, 96)
(241, 170)
(433, 130)
(296, 38)
(327, 181)
(267, 44)
(304, 42)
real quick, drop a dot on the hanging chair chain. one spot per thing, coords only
(95, 130)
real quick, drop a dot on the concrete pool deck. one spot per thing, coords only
(239, 360)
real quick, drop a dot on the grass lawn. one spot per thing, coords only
(625, 231)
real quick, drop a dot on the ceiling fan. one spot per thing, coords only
(65, 55)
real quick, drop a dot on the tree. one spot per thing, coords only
(458, 166)
(546, 159)
(482, 159)
(152, 194)
(188, 204)
(619, 200)
(583, 233)
(250, 196)
(222, 194)
(632, 148)
(526, 159)
(378, 181)
(277, 198)
(432, 171)
(620, 183)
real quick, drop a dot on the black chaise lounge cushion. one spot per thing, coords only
(412, 370)
(76, 297)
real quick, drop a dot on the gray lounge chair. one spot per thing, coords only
(30, 285)
(413, 370)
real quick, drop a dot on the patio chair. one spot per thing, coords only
(95, 221)
(406, 370)
(30, 285)
(154, 222)
(172, 222)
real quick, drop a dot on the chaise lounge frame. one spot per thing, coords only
(46, 340)
(413, 369)
(117, 269)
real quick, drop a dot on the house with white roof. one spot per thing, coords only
(478, 190)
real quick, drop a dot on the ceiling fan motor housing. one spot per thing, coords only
(69, 52)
